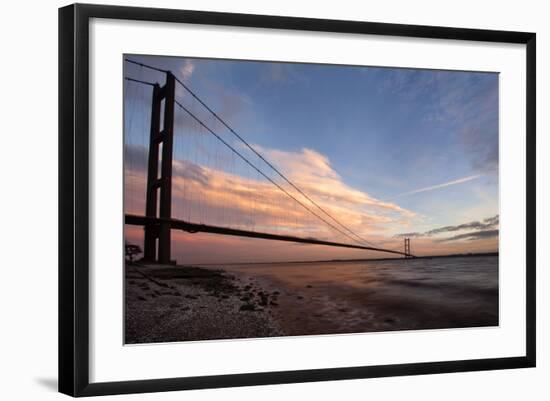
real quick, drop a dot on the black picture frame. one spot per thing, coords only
(74, 202)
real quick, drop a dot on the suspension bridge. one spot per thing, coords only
(218, 182)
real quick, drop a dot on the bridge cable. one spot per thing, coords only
(248, 162)
(261, 172)
(267, 162)
(252, 148)
(140, 81)
(361, 239)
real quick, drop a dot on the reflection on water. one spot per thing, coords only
(344, 297)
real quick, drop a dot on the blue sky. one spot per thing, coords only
(423, 140)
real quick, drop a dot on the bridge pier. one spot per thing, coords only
(157, 241)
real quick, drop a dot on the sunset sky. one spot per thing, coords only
(387, 152)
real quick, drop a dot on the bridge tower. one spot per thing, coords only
(408, 248)
(159, 175)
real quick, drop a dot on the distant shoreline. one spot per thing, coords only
(456, 255)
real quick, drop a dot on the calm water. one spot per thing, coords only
(339, 297)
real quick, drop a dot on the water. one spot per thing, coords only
(346, 297)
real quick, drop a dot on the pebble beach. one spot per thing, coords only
(171, 304)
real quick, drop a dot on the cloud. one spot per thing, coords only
(187, 69)
(465, 102)
(409, 84)
(219, 193)
(313, 172)
(485, 228)
(225, 100)
(481, 143)
(221, 96)
(414, 234)
(472, 236)
(474, 225)
(438, 186)
(225, 195)
(475, 112)
(279, 73)
(135, 158)
(492, 220)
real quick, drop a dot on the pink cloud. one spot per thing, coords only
(220, 196)
(213, 196)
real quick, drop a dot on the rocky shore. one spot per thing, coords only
(185, 303)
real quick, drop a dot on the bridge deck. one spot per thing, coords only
(194, 228)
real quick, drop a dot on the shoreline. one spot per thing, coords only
(191, 303)
(187, 303)
(459, 255)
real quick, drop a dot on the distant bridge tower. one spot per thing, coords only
(159, 174)
(408, 248)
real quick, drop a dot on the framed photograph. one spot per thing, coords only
(250, 199)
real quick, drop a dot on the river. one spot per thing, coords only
(363, 296)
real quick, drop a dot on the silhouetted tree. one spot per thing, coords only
(132, 250)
